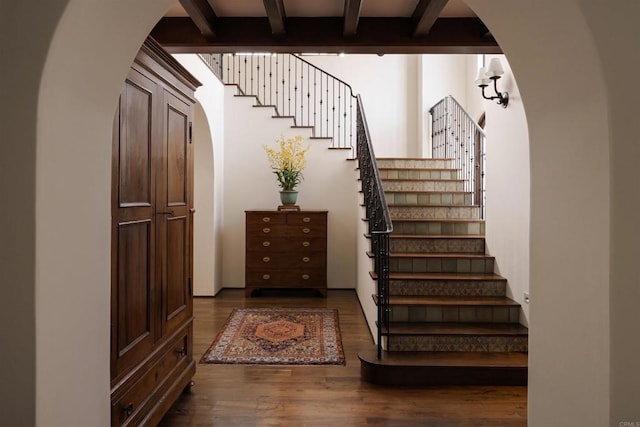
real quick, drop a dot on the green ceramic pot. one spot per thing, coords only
(288, 197)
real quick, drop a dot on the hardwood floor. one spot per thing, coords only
(246, 395)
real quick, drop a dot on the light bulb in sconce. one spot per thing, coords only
(481, 78)
(493, 72)
(495, 69)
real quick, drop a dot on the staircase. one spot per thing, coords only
(450, 322)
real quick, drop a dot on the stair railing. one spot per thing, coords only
(295, 88)
(455, 135)
(379, 219)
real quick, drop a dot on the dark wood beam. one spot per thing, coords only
(202, 15)
(276, 14)
(375, 35)
(351, 17)
(425, 15)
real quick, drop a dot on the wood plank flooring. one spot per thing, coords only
(246, 395)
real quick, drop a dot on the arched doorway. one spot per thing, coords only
(66, 205)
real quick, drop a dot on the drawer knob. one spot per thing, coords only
(305, 244)
(128, 410)
(306, 219)
(266, 277)
(265, 244)
(266, 230)
(305, 276)
(306, 230)
(182, 352)
(266, 219)
(306, 259)
(266, 259)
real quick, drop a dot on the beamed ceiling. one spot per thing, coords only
(331, 26)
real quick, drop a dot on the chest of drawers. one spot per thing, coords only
(286, 250)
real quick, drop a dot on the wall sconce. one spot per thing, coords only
(493, 72)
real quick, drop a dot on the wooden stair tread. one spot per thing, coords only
(452, 301)
(460, 329)
(438, 220)
(438, 255)
(428, 191)
(414, 158)
(406, 168)
(440, 276)
(445, 358)
(433, 255)
(421, 180)
(427, 205)
(436, 236)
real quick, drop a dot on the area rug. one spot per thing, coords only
(278, 336)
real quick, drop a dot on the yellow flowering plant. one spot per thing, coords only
(288, 162)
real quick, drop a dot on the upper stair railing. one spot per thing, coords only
(455, 135)
(379, 219)
(295, 88)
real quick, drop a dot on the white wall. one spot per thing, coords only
(208, 188)
(569, 357)
(77, 99)
(441, 76)
(508, 187)
(617, 37)
(250, 184)
(389, 88)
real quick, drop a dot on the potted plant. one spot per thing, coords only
(287, 163)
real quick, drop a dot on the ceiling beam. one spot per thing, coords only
(425, 14)
(202, 15)
(276, 14)
(375, 35)
(351, 17)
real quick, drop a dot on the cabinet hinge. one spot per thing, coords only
(190, 132)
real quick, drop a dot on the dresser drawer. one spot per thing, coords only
(298, 278)
(284, 260)
(265, 218)
(267, 243)
(308, 243)
(135, 400)
(310, 230)
(260, 229)
(307, 218)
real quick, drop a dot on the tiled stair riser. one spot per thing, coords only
(494, 343)
(441, 265)
(417, 198)
(415, 163)
(447, 288)
(435, 228)
(449, 314)
(436, 174)
(434, 212)
(436, 245)
(408, 185)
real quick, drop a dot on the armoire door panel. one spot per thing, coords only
(177, 140)
(135, 168)
(135, 289)
(177, 285)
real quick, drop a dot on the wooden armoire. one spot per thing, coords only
(151, 239)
